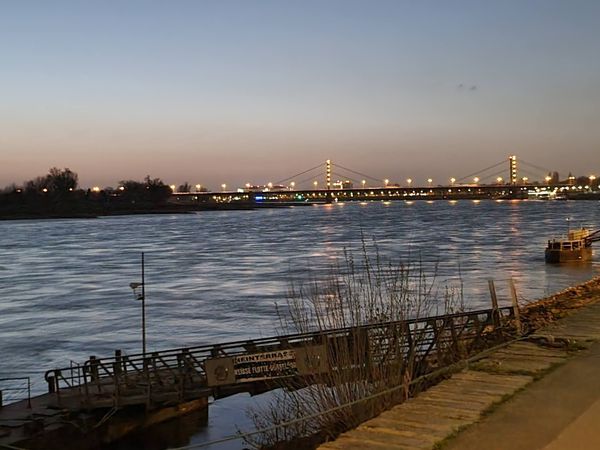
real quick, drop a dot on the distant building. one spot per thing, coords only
(339, 184)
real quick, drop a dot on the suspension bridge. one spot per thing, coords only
(331, 182)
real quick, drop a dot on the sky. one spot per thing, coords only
(225, 91)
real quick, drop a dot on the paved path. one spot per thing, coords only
(556, 412)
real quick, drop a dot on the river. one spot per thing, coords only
(216, 276)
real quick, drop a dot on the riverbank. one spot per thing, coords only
(565, 324)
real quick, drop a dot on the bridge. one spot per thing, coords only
(352, 185)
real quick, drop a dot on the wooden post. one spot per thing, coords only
(495, 312)
(93, 368)
(118, 367)
(515, 305)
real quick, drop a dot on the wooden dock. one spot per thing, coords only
(86, 398)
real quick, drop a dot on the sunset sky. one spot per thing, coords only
(232, 92)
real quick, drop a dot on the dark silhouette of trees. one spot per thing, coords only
(185, 187)
(150, 192)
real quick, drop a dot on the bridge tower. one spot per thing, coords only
(328, 180)
(512, 162)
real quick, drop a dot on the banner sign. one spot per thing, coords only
(266, 365)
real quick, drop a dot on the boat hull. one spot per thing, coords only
(554, 256)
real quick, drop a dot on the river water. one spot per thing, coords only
(216, 276)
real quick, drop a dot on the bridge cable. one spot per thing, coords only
(357, 173)
(545, 170)
(298, 174)
(460, 364)
(481, 171)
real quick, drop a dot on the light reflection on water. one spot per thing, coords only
(215, 276)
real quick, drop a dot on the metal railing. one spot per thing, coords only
(18, 391)
(180, 373)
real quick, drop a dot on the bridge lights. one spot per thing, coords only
(223, 186)
(452, 181)
(270, 185)
(386, 182)
(409, 181)
(429, 181)
(293, 184)
(363, 182)
(315, 184)
(476, 180)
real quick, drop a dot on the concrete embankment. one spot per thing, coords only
(538, 392)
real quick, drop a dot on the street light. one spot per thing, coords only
(429, 181)
(315, 183)
(198, 187)
(223, 186)
(293, 185)
(499, 180)
(139, 293)
(363, 182)
(476, 180)
(386, 182)
(525, 179)
(173, 187)
(547, 178)
(452, 180)
(409, 181)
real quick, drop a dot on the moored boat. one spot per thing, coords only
(577, 246)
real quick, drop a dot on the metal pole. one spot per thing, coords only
(143, 309)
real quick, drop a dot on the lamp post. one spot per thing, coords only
(139, 293)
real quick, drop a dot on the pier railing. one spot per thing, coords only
(176, 375)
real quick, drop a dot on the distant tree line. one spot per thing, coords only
(58, 194)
